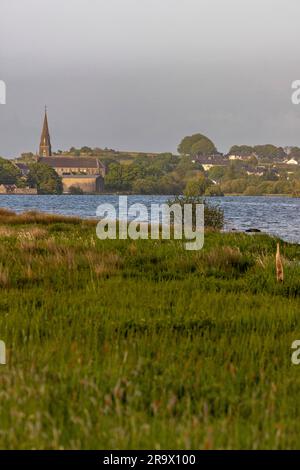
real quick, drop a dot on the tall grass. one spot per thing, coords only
(141, 344)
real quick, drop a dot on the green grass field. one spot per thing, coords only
(141, 344)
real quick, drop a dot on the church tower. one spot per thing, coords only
(45, 144)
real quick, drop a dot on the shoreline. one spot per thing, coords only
(124, 193)
(33, 217)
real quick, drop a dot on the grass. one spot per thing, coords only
(141, 344)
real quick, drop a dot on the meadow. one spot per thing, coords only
(143, 345)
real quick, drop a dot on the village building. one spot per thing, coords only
(209, 161)
(243, 158)
(85, 173)
(13, 189)
(292, 161)
(24, 169)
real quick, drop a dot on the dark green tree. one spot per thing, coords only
(44, 178)
(269, 152)
(241, 150)
(196, 144)
(9, 173)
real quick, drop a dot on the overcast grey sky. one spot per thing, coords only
(141, 74)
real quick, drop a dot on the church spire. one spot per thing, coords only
(45, 144)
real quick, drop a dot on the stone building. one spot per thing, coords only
(13, 189)
(86, 173)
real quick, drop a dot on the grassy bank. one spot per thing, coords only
(141, 344)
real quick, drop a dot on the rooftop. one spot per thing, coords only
(71, 162)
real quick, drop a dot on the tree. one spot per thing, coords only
(117, 178)
(9, 173)
(27, 157)
(270, 175)
(74, 151)
(196, 144)
(145, 186)
(186, 166)
(216, 172)
(203, 147)
(197, 187)
(214, 190)
(241, 150)
(234, 170)
(86, 150)
(269, 152)
(44, 178)
(295, 153)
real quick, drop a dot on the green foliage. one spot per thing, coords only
(216, 172)
(163, 185)
(269, 187)
(197, 187)
(27, 157)
(146, 175)
(295, 153)
(145, 186)
(115, 180)
(196, 144)
(44, 178)
(113, 343)
(187, 167)
(269, 153)
(75, 190)
(214, 190)
(86, 150)
(74, 151)
(213, 214)
(234, 186)
(9, 173)
(241, 150)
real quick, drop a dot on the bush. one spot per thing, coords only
(213, 215)
(9, 173)
(75, 190)
(214, 190)
(197, 187)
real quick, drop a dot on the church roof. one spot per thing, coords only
(71, 162)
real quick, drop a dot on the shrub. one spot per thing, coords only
(213, 214)
(214, 191)
(197, 187)
(75, 190)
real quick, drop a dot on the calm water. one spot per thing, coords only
(274, 215)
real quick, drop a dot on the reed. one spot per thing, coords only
(112, 344)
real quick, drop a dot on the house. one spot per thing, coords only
(209, 161)
(23, 168)
(292, 161)
(12, 189)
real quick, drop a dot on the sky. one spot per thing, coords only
(141, 74)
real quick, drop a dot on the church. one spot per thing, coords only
(86, 173)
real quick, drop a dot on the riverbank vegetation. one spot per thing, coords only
(169, 174)
(197, 169)
(140, 344)
(38, 175)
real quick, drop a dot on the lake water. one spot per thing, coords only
(274, 215)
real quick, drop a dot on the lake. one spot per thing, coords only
(278, 216)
